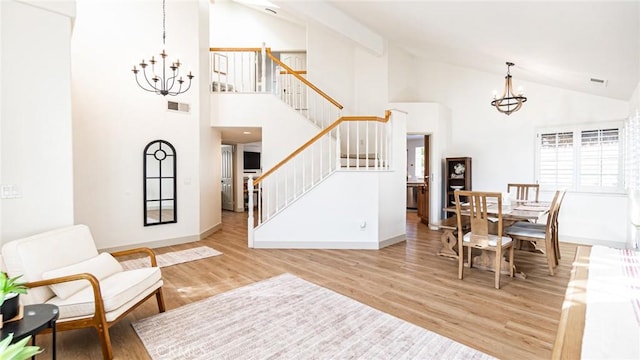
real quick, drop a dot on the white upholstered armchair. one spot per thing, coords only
(63, 267)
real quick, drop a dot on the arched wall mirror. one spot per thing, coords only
(160, 198)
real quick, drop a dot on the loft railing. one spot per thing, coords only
(318, 158)
(258, 70)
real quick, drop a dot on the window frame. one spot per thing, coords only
(577, 130)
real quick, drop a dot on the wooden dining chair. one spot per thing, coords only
(535, 233)
(479, 236)
(555, 225)
(525, 191)
(556, 230)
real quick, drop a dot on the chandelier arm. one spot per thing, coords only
(183, 91)
(172, 79)
(148, 82)
(142, 87)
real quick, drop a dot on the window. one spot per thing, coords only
(584, 158)
(632, 152)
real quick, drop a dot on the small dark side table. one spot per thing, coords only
(36, 318)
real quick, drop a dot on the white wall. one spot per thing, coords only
(330, 65)
(281, 134)
(35, 120)
(503, 147)
(370, 74)
(392, 201)
(234, 25)
(114, 120)
(401, 83)
(333, 210)
(210, 178)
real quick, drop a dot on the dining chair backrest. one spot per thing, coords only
(482, 236)
(556, 225)
(553, 213)
(525, 191)
(478, 215)
(535, 233)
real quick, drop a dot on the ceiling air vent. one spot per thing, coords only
(178, 106)
(598, 81)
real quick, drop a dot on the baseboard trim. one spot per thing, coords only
(155, 244)
(587, 241)
(392, 241)
(205, 234)
(333, 245)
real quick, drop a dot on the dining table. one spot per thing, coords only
(514, 211)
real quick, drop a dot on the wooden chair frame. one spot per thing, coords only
(546, 233)
(98, 320)
(479, 238)
(522, 190)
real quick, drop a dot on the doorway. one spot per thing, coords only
(227, 177)
(418, 175)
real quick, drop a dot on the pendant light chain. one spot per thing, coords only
(164, 22)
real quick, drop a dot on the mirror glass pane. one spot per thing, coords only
(159, 183)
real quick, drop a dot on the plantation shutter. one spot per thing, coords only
(599, 158)
(556, 160)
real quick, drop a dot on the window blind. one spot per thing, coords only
(581, 158)
(600, 158)
(556, 160)
(632, 152)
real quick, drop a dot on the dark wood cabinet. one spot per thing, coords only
(423, 202)
(457, 176)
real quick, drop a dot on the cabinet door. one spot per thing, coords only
(423, 203)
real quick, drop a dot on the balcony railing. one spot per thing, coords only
(257, 70)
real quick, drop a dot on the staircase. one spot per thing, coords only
(348, 145)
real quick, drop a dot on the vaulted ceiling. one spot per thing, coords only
(558, 43)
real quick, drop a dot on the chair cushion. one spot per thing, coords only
(101, 266)
(33, 255)
(528, 225)
(520, 232)
(117, 290)
(493, 239)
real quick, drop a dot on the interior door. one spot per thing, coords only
(227, 177)
(423, 191)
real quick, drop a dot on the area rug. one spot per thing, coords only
(172, 258)
(285, 317)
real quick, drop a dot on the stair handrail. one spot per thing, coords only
(284, 66)
(303, 80)
(323, 132)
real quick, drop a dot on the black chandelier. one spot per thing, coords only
(509, 101)
(162, 85)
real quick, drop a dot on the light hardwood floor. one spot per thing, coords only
(407, 280)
